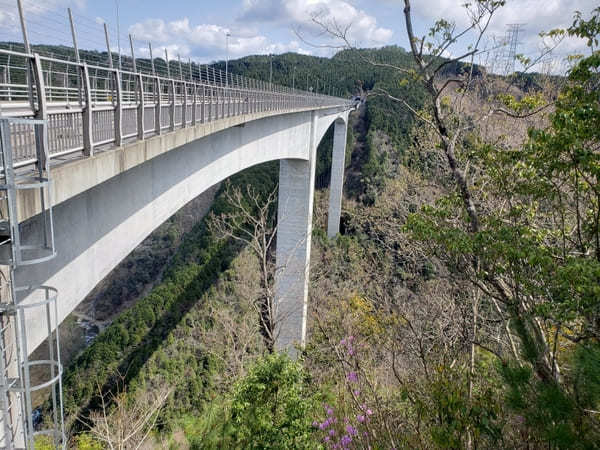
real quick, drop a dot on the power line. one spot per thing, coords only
(512, 42)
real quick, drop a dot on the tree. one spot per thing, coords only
(250, 219)
(537, 245)
(498, 224)
(125, 421)
(271, 407)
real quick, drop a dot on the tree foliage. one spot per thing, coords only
(268, 408)
(537, 256)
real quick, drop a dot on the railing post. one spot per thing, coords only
(229, 101)
(118, 109)
(194, 102)
(210, 104)
(226, 100)
(42, 106)
(217, 101)
(172, 105)
(184, 102)
(203, 110)
(220, 104)
(140, 114)
(88, 137)
(157, 107)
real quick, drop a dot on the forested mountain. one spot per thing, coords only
(458, 309)
(138, 343)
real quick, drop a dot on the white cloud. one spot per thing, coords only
(207, 41)
(46, 20)
(364, 29)
(154, 30)
(293, 46)
(7, 19)
(535, 15)
(37, 7)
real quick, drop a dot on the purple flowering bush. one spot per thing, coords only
(341, 431)
(345, 422)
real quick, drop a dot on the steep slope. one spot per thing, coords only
(164, 332)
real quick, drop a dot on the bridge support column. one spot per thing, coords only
(336, 186)
(294, 217)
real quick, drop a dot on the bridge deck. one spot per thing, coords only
(91, 107)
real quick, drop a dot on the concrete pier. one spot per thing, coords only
(294, 218)
(336, 187)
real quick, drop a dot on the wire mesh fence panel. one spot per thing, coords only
(129, 87)
(22, 140)
(178, 114)
(103, 126)
(102, 85)
(65, 132)
(149, 117)
(188, 113)
(165, 116)
(129, 121)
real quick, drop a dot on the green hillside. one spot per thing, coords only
(459, 307)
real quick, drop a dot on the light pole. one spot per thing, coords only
(227, 36)
(118, 33)
(294, 78)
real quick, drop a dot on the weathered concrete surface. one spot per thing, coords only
(107, 204)
(294, 231)
(78, 175)
(336, 187)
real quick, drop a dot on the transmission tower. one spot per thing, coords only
(511, 43)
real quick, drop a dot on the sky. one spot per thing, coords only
(197, 29)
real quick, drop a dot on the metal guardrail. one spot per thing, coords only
(89, 106)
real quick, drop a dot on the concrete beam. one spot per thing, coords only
(107, 204)
(76, 175)
(338, 161)
(294, 221)
(97, 228)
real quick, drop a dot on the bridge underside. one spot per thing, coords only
(97, 228)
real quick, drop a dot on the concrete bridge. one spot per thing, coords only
(108, 198)
(125, 150)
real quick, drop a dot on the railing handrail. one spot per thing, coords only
(88, 110)
(273, 86)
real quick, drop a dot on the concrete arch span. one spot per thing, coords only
(96, 228)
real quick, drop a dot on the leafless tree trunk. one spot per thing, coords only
(251, 220)
(125, 423)
(450, 123)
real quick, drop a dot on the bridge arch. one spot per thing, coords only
(97, 228)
